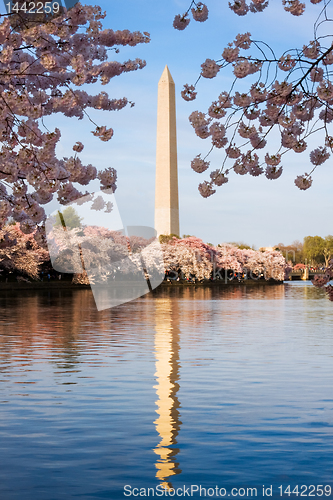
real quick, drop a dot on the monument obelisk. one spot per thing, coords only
(166, 187)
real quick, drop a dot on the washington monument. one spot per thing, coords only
(166, 187)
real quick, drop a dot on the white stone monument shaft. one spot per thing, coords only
(166, 188)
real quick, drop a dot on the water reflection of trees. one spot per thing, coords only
(304, 290)
(61, 326)
(38, 323)
(228, 292)
(57, 320)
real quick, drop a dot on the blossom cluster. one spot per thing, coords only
(19, 252)
(196, 259)
(239, 7)
(292, 94)
(199, 12)
(191, 256)
(41, 66)
(96, 254)
(288, 107)
(325, 280)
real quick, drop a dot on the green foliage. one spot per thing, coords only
(328, 249)
(318, 250)
(313, 249)
(240, 245)
(165, 238)
(71, 218)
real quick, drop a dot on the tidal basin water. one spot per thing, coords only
(227, 387)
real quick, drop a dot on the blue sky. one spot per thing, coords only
(253, 210)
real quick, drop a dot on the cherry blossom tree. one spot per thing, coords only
(41, 66)
(102, 254)
(325, 281)
(20, 253)
(192, 258)
(290, 93)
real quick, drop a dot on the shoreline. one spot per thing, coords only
(55, 285)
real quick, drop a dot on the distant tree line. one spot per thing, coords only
(314, 251)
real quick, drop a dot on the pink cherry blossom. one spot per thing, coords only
(325, 90)
(200, 13)
(258, 142)
(205, 189)
(252, 112)
(188, 93)
(319, 156)
(258, 5)
(216, 110)
(247, 131)
(225, 100)
(243, 41)
(218, 178)
(200, 124)
(326, 115)
(14, 257)
(240, 168)
(272, 160)
(295, 7)
(217, 130)
(329, 142)
(316, 74)
(108, 178)
(181, 22)
(288, 95)
(312, 49)
(199, 165)
(78, 147)
(103, 133)
(273, 172)
(242, 100)
(242, 68)
(230, 53)
(300, 146)
(286, 121)
(239, 7)
(303, 182)
(41, 66)
(255, 170)
(328, 59)
(233, 152)
(282, 89)
(209, 68)
(286, 63)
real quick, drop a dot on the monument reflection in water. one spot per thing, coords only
(167, 375)
(89, 399)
